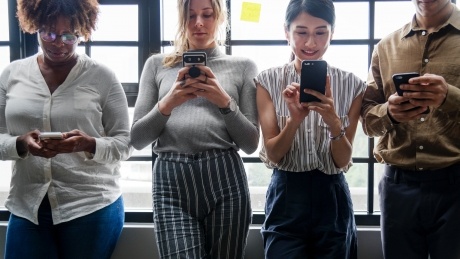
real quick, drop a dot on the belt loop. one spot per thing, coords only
(397, 176)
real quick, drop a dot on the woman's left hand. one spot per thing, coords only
(74, 141)
(326, 107)
(209, 88)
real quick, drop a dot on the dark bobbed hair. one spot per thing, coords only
(323, 9)
(34, 14)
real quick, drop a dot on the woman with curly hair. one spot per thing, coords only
(65, 199)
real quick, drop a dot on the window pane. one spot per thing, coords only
(360, 143)
(5, 178)
(352, 21)
(357, 181)
(136, 184)
(390, 16)
(117, 23)
(122, 60)
(4, 34)
(378, 173)
(4, 57)
(258, 178)
(264, 56)
(352, 58)
(169, 19)
(270, 25)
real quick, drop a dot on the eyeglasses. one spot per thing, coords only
(67, 38)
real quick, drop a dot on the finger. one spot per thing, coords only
(182, 73)
(328, 92)
(207, 71)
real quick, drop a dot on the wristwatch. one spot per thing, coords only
(230, 107)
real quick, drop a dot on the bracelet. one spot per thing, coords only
(341, 134)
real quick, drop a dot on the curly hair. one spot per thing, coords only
(34, 14)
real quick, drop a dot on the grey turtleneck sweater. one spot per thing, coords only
(197, 125)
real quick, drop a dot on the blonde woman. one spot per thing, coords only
(197, 124)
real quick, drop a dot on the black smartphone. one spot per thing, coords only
(403, 78)
(193, 59)
(312, 76)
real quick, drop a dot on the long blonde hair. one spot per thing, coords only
(181, 43)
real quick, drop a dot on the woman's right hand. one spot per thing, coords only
(30, 142)
(179, 92)
(291, 96)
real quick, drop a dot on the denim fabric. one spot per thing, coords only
(309, 215)
(91, 236)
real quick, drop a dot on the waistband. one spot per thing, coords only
(450, 173)
(208, 154)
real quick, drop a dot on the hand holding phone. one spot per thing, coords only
(312, 76)
(403, 78)
(192, 60)
(50, 135)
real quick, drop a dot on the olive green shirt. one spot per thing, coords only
(433, 141)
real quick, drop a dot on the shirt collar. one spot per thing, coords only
(412, 27)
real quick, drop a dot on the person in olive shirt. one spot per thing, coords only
(420, 189)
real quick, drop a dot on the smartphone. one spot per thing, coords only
(403, 78)
(193, 59)
(312, 76)
(50, 135)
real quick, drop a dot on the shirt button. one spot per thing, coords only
(422, 119)
(309, 130)
(423, 33)
(426, 60)
(421, 147)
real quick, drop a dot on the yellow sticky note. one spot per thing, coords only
(250, 12)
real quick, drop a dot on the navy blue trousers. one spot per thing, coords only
(309, 215)
(420, 213)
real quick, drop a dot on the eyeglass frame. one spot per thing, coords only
(56, 36)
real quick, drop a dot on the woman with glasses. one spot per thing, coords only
(65, 199)
(197, 118)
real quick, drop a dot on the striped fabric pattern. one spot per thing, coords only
(201, 204)
(312, 137)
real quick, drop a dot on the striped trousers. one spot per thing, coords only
(201, 205)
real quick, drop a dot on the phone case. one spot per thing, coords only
(193, 58)
(313, 76)
(50, 135)
(402, 78)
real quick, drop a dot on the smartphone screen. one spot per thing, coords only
(313, 76)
